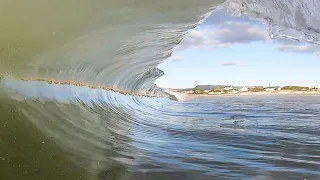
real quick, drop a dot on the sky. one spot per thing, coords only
(228, 50)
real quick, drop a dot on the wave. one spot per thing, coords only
(121, 44)
(111, 49)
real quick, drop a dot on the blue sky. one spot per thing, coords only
(238, 51)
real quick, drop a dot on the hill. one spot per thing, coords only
(207, 87)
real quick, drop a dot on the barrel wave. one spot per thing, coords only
(78, 99)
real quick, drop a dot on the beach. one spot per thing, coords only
(259, 94)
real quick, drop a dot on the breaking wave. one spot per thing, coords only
(77, 87)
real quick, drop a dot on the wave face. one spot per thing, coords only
(117, 44)
(66, 131)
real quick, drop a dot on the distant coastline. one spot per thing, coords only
(313, 93)
(227, 90)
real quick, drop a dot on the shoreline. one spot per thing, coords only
(310, 93)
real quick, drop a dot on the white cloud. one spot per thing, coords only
(221, 30)
(224, 35)
(229, 64)
(233, 64)
(287, 45)
(240, 32)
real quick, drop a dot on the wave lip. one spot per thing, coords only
(297, 20)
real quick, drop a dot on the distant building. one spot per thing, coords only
(230, 88)
(270, 89)
(215, 92)
(189, 92)
(244, 89)
(235, 91)
(206, 91)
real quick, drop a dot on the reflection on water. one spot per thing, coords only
(47, 132)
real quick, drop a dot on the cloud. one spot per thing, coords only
(223, 36)
(196, 39)
(288, 45)
(298, 48)
(229, 64)
(240, 32)
(221, 30)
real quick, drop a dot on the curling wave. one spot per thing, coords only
(78, 99)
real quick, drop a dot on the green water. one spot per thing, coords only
(26, 154)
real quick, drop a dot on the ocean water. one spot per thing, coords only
(69, 132)
(133, 130)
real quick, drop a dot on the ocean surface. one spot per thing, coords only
(109, 121)
(68, 132)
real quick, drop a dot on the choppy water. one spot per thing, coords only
(52, 131)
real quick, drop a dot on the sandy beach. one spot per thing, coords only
(316, 93)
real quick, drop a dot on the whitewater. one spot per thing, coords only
(78, 99)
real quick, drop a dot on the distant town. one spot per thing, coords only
(229, 89)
